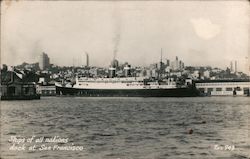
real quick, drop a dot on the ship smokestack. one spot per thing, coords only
(112, 72)
(127, 70)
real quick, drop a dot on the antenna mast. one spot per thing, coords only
(114, 57)
(161, 55)
(160, 71)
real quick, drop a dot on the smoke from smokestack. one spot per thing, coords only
(117, 30)
(116, 44)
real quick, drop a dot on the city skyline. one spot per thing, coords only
(200, 33)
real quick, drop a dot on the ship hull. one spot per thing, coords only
(176, 92)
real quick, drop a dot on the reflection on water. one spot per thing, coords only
(131, 128)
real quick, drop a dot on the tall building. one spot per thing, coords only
(235, 70)
(44, 61)
(231, 66)
(176, 64)
(86, 59)
(167, 62)
(181, 65)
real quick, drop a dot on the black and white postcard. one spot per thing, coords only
(125, 79)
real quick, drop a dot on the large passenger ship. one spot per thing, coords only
(126, 86)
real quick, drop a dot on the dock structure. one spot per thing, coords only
(224, 88)
(46, 90)
(14, 87)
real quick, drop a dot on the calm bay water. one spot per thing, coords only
(130, 128)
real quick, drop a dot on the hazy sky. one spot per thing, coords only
(198, 32)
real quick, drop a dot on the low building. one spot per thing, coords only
(13, 87)
(224, 88)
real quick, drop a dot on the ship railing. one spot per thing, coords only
(106, 81)
(111, 79)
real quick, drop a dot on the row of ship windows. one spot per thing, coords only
(110, 81)
(221, 84)
(126, 84)
(220, 89)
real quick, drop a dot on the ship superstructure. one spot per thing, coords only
(122, 83)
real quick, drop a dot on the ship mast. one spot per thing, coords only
(161, 55)
(160, 71)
